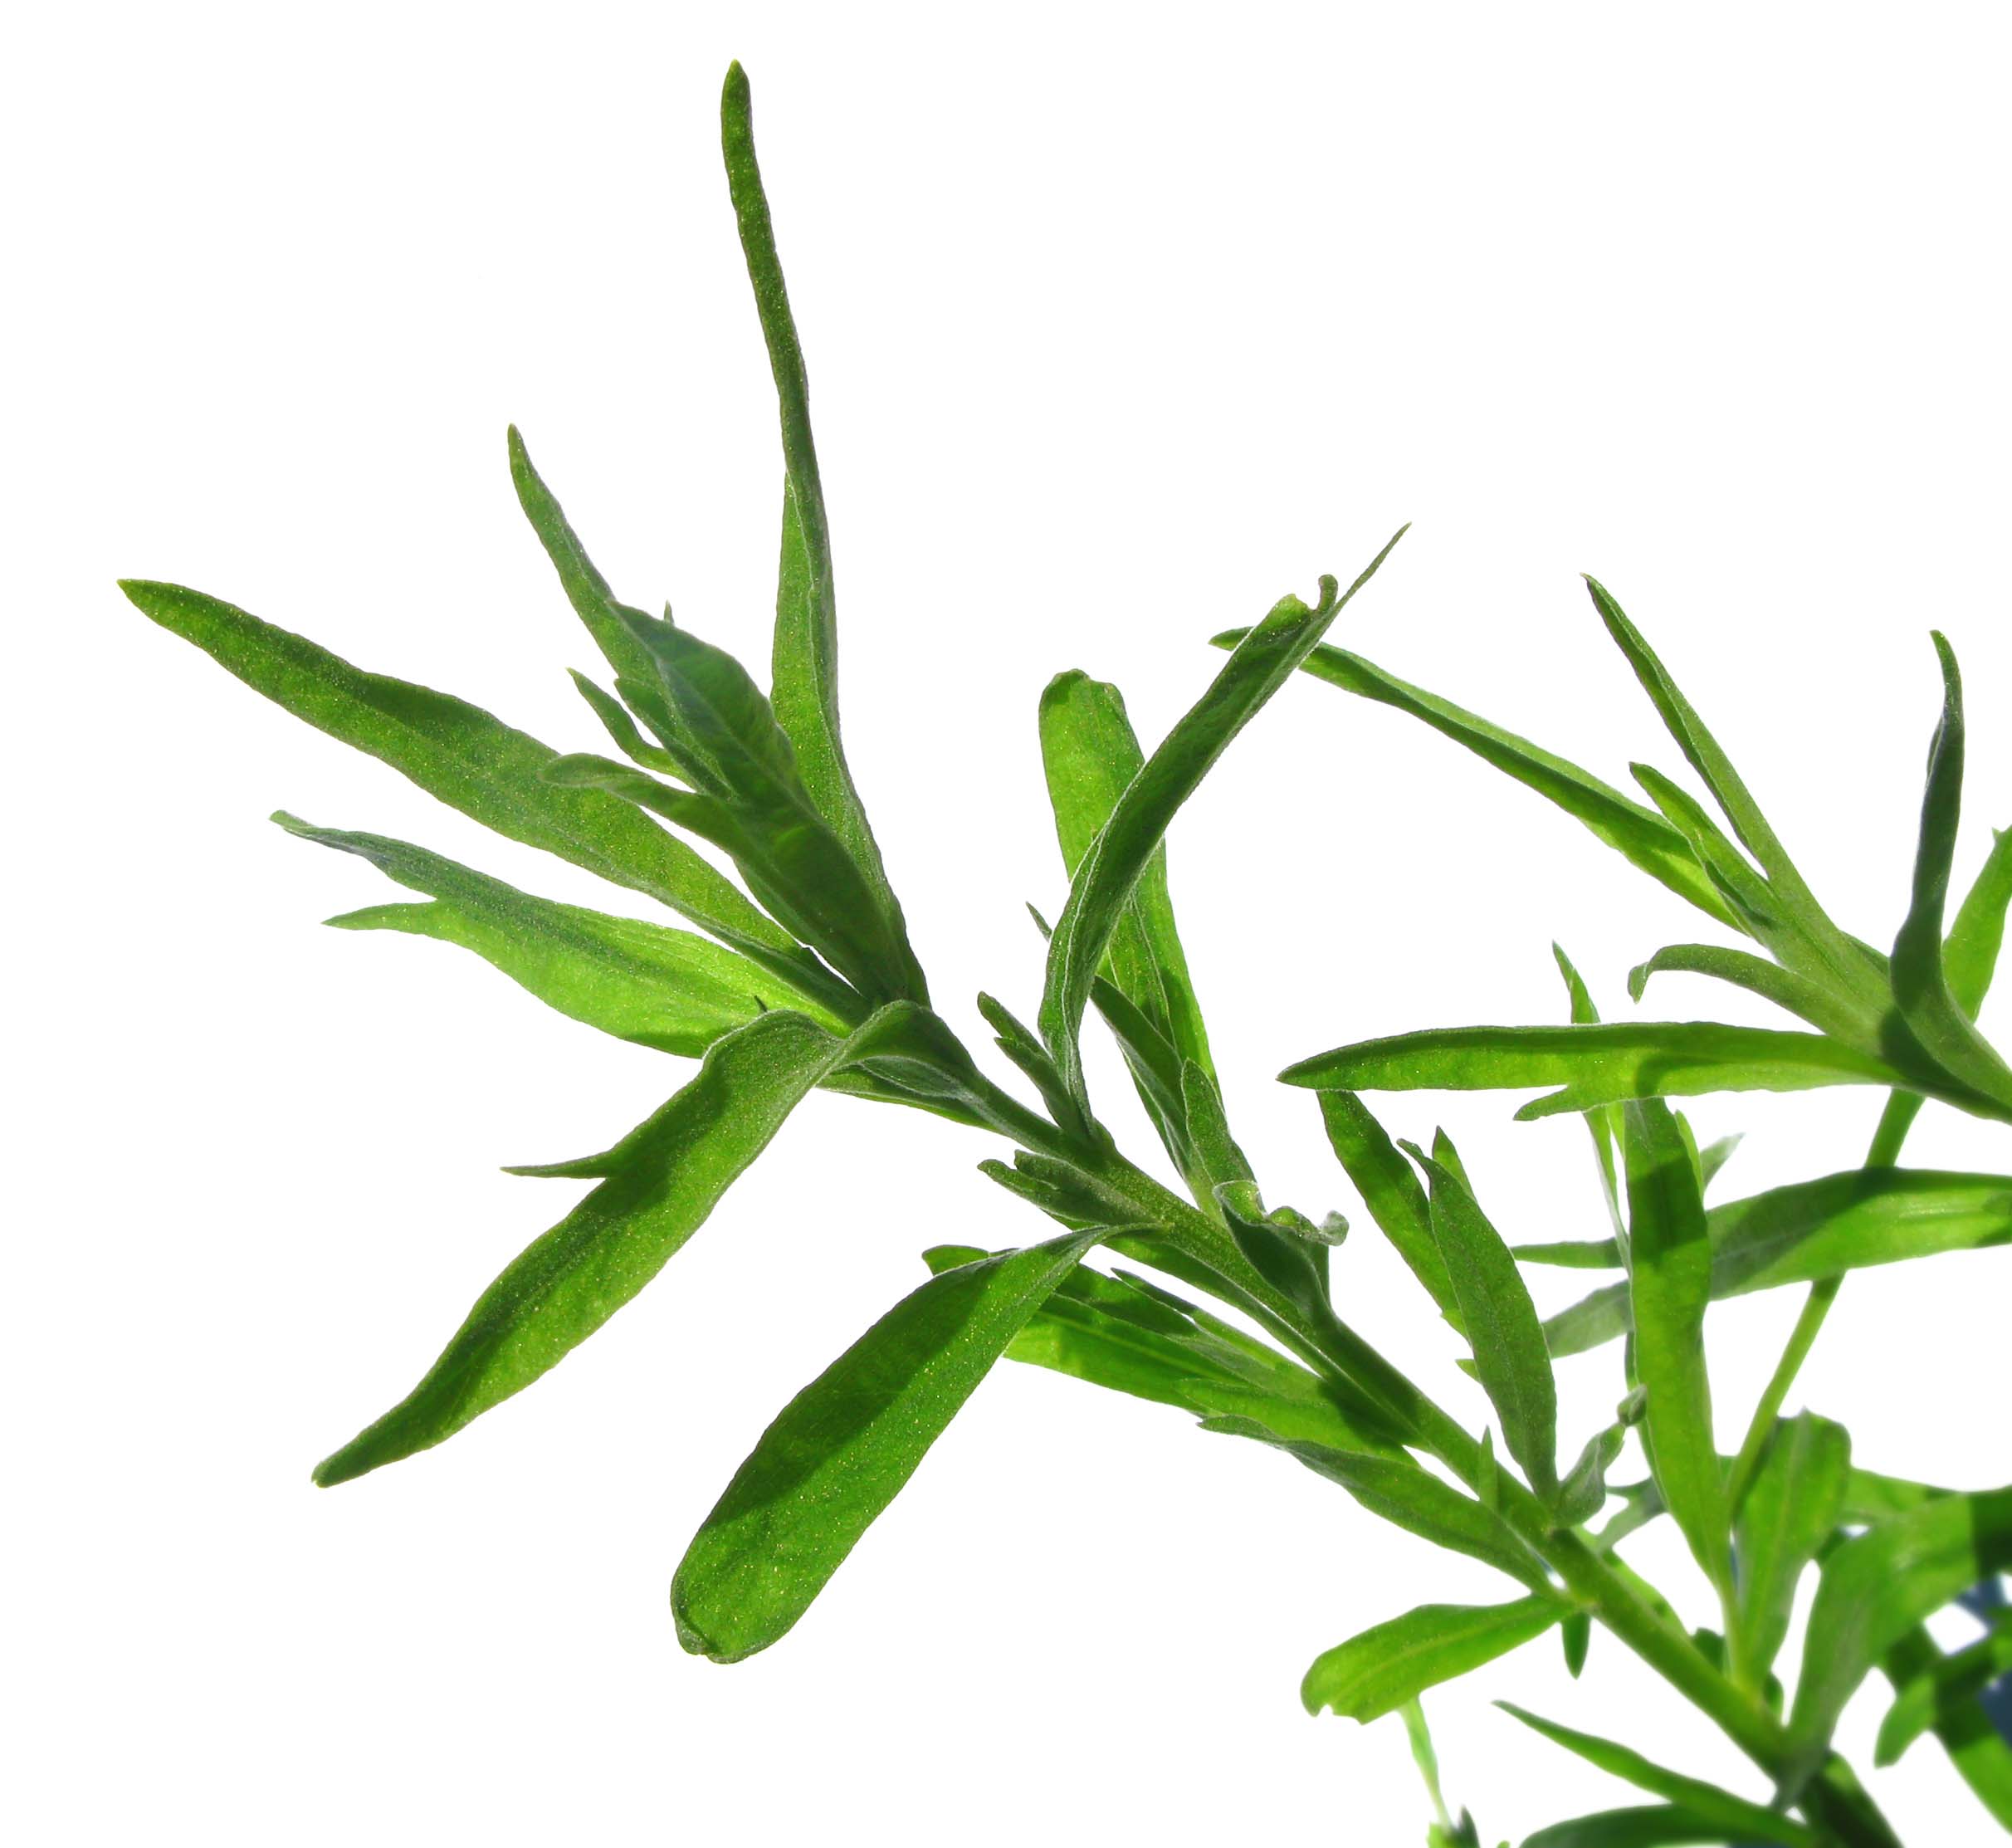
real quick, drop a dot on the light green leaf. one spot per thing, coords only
(1110, 871)
(1670, 1286)
(1501, 1325)
(473, 762)
(657, 987)
(660, 1182)
(1603, 1123)
(1789, 1515)
(1584, 1492)
(1390, 1188)
(1623, 825)
(1377, 1672)
(1597, 1064)
(1936, 1016)
(1877, 1587)
(1742, 1821)
(1943, 1692)
(1794, 994)
(1570, 1253)
(616, 720)
(844, 1446)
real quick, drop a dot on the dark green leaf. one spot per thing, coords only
(661, 1181)
(1943, 1692)
(1877, 1587)
(629, 740)
(1741, 1820)
(1790, 1513)
(1936, 1016)
(1501, 1325)
(473, 762)
(1584, 1492)
(1653, 1825)
(1670, 1285)
(1390, 1188)
(1377, 1672)
(805, 665)
(1577, 1633)
(1982, 1758)
(843, 1447)
(1110, 871)
(1607, 1063)
(661, 988)
(1625, 825)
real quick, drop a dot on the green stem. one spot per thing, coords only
(1801, 1338)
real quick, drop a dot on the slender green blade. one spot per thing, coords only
(1110, 870)
(1981, 1757)
(1390, 1188)
(1877, 1587)
(1670, 1287)
(1652, 1826)
(1377, 1672)
(1943, 1692)
(1605, 1124)
(1793, 993)
(471, 761)
(666, 989)
(1595, 1064)
(1744, 1821)
(843, 1447)
(660, 1182)
(804, 668)
(1933, 1012)
(1790, 1513)
(1572, 1253)
(1501, 1325)
(1637, 832)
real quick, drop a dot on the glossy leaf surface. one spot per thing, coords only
(1377, 1672)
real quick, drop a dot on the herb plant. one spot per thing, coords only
(805, 978)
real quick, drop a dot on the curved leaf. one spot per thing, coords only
(1390, 1188)
(1377, 1672)
(661, 1181)
(1110, 871)
(1794, 994)
(1943, 1692)
(1790, 1513)
(1597, 1063)
(1652, 1825)
(842, 1448)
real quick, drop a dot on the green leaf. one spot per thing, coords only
(1501, 1325)
(804, 668)
(1789, 1515)
(1623, 825)
(1577, 1634)
(629, 740)
(1597, 1064)
(1584, 1492)
(1652, 1825)
(1670, 1286)
(473, 762)
(1740, 1820)
(1794, 994)
(1570, 1253)
(1936, 1016)
(1605, 1123)
(1807, 1232)
(843, 1447)
(1982, 1758)
(640, 982)
(1110, 871)
(1377, 1672)
(662, 1181)
(1390, 1188)
(1089, 754)
(1749, 825)
(1943, 1692)
(1877, 1587)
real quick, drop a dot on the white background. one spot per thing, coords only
(1122, 322)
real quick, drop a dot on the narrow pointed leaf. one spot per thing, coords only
(1603, 1123)
(1794, 994)
(1501, 1325)
(804, 668)
(472, 761)
(1606, 1064)
(1377, 1672)
(1583, 1493)
(1637, 832)
(1652, 1825)
(1572, 1253)
(1390, 1188)
(1110, 871)
(661, 988)
(1877, 1587)
(1943, 1692)
(1670, 1286)
(1981, 1756)
(616, 720)
(1743, 1821)
(1937, 1016)
(845, 1446)
(1790, 1513)
(662, 1180)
